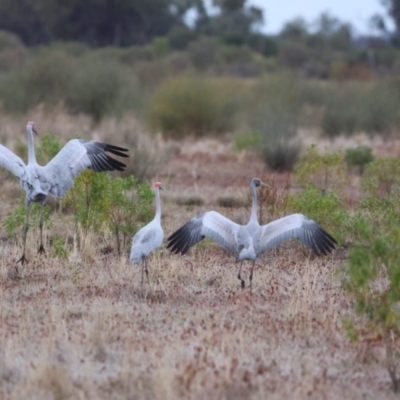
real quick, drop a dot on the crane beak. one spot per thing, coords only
(265, 184)
(161, 188)
(34, 130)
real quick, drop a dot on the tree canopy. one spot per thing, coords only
(119, 22)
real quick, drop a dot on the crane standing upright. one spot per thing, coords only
(57, 177)
(251, 240)
(148, 238)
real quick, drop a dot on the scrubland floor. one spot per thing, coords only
(85, 328)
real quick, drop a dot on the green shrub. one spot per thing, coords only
(277, 93)
(341, 112)
(147, 156)
(58, 249)
(281, 155)
(379, 108)
(368, 107)
(134, 54)
(320, 170)
(327, 209)
(230, 202)
(48, 148)
(12, 51)
(101, 204)
(180, 36)
(247, 141)
(98, 89)
(189, 201)
(273, 111)
(73, 49)
(384, 172)
(371, 278)
(204, 52)
(184, 106)
(160, 46)
(359, 157)
(15, 220)
(44, 80)
(293, 54)
(9, 40)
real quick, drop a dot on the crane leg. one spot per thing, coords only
(41, 248)
(251, 272)
(23, 259)
(239, 274)
(147, 271)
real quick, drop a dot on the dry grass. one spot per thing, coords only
(84, 328)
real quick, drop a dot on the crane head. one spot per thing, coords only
(157, 185)
(31, 125)
(257, 183)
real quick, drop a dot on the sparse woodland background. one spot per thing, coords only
(203, 107)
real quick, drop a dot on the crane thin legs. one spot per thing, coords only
(251, 272)
(41, 248)
(239, 276)
(144, 268)
(23, 259)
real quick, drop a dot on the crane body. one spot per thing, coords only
(148, 238)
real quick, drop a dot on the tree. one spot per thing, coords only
(96, 22)
(234, 18)
(393, 8)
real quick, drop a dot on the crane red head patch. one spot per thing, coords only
(30, 123)
(158, 186)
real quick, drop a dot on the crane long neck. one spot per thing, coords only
(253, 216)
(31, 146)
(158, 205)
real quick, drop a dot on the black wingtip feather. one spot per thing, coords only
(325, 242)
(118, 151)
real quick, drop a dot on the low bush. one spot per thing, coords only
(293, 54)
(371, 278)
(147, 156)
(117, 205)
(230, 202)
(101, 88)
(12, 51)
(180, 36)
(247, 141)
(341, 112)
(274, 109)
(281, 155)
(277, 93)
(320, 170)
(191, 106)
(327, 209)
(368, 107)
(204, 52)
(382, 174)
(359, 157)
(15, 219)
(189, 201)
(44, 80)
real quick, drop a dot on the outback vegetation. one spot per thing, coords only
(314, 111)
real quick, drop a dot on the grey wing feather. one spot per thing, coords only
(296, 226)
(12, 163)
(73, 158)
(210, 224)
